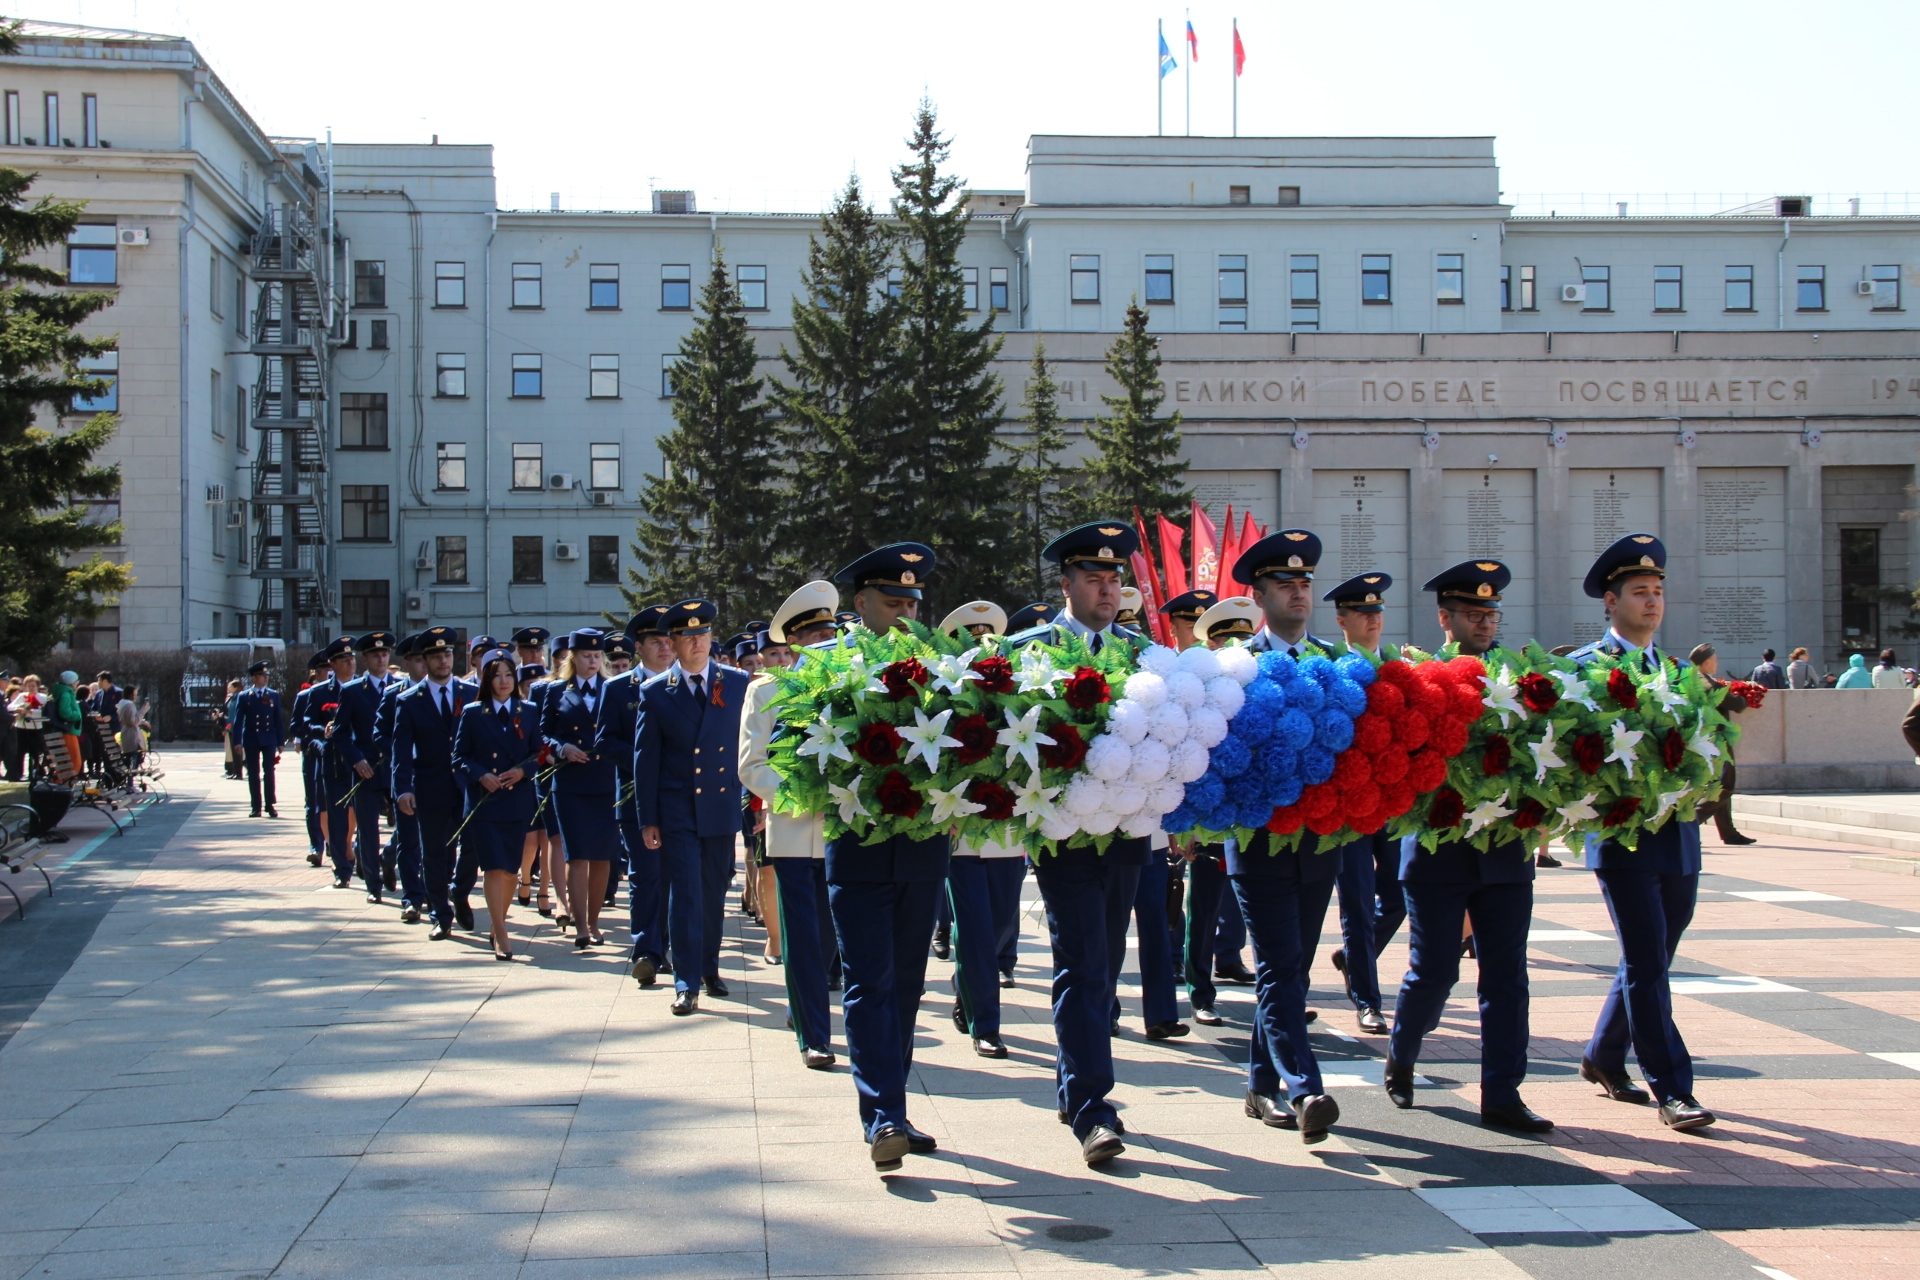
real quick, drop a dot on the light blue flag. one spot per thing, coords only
(1167, 64)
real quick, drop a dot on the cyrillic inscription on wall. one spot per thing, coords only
(1743, 561)
(1490, 515)
(1361, 517)
(1603, 505)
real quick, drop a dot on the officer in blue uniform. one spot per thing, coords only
(1088, 894)
(1650, 891)
(425, 788)
(1455, 882)
(585, 784)
(309, 757)
(530, 645)
(477, 648)
(1283, 894)
(1030, 616)
(619, 651)
(1183, 611)
(358, 757)
(1359, 605)
(687, 788)
(408, 856)
(258, 718)
(614, 736)
(324, 721)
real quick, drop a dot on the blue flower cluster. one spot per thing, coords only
(1297, 718)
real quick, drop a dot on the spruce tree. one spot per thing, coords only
(44, 469)
(950, 397)
(711, 522)
(1041, 482)
(1137, 458)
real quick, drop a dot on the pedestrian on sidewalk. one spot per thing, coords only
(1768, 674)
(1856, 676)
(1705, 657)
(261, 735)
(495, 749)
(1800, 671)
(67, 719)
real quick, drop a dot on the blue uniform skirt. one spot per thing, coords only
(588, 825)
(496, 845)
(550, 816)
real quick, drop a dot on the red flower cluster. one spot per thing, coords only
(904, 678)
(1589, 752)
(997, 799)
(977, 738)
(1497, 756)
(1620, 810)
(1448, 809)
(1529, 814)
(1747, 691)
(1086, 688)
(1539, 692)
(879, 743)
(1068, 748)
(1673, 749)
(897, 797)
(996, 674)
(1620, 688)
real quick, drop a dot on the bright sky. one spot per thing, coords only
(759, 105)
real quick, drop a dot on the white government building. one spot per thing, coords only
(1365, 335)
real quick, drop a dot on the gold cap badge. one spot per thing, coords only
(1295, 562)
(906, 576)
(1484, 590)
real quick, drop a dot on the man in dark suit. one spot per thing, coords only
(424, 785)
(354, 743)
(297, 730)
(686, 784)
(257, 721)
(614, 736)
(407, 856)
(323, 723)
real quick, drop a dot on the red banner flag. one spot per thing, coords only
(1146, 576)
(1229, 548)
(1205, 564)
(1250, 533)
(1239, 51)
(1171, 562)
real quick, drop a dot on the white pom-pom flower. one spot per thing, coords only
(1127, 721)
(1186, 689)
(1141, 825)
(1085, 795)
(1147, 688)
(1225, 695)
(1108, 758)
(1160, 660)
(1058, 827)
(1104, 822)
(1125, 798)
(1166, 796)
(1207, 727)
(1150, 761)
(1190, 761)
(1167, 722)
(1238, 664)
(1200, 662)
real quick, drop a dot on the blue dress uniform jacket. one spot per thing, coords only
(1283, 895)
(583, 792)
(422, 765)
(356, 739)
(482, 745)
(613, 735)
(297, 730)
(258, 719)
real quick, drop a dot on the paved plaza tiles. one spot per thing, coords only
(219, 1067)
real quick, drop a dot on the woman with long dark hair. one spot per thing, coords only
(584, 782)
(495, 751)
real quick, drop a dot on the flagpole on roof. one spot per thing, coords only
(1236, 77)
(1160, 79)
(1193, 49)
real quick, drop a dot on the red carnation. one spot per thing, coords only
(998, 799)
(1319, 800)
(976, 736)
(1589, 752)
(1673, 749)
(878, 743)
(1466, 702)
(1068, 748)
(1327, 824)
(1286, 821)
(1448, 808)
(1538, 692)
(1086, 688)
(1368, 823)
(1745, 691)
(1398, 672)
(1620, 688)
(1372, 733)
(996, 674)
(897, 797)
(1389, 767)
(1426, 770)
(1529, 814)
(1386, 698)
(1414, 730)
(1620, 810)
(1352, 771)
(1497, 756)
(904, 678)
(1396, 800)
(1467, 667)
(1450, 739)
(1427, 695)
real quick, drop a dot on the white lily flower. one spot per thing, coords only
(948, 805)
(1485, 815)
(1573, 687)
(848, 798)
(1667, 800)
(1580, 811)
(1502, 694)
(927, 737)
(824, 742)
(1033, 801)
(1022, 738)
(952, 672)
(1624, 741)
(1545, 757)
(1703, 745)
(1662, 691)
(1038, 672)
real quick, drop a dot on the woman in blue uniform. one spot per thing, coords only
(538, 851)
(494, 752)
(584, 783)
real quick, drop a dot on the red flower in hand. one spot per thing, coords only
(1498, 755)
(1746, 691)
(904, 678)
(1673, 749)
(1538, 692)
(1529, 814)
(878, 743)
(996, 674)
(1620, 810)
(1087, 688)
(998, 799)
(977, 738)
(897, 797)
(1589, 752)
(1068, 748)
(1448, 808)
(1620, 688)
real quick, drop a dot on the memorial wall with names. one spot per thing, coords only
(1255, 491)
(1743, 561)
(1604, 504)
(1491, 515)
(1361, 517)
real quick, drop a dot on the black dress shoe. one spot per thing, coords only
(1547, 860)
(816, 1058)
(959, 1018)
(1316, 1113)
(1339, 959)
(373, 895)
(1617, 1085)
(1235, 973)
(663, 965)
(643, 971)
(409, 914)
(1398, 1079)
(1372, 1023)
(1101, 1144)
(684, 1003)
(463, 915)
(313, 859)
(439, 932)
(942, 948)
(888, 1147)
(1270, 1111)
(1006, 979)
(1166, 1030)
(1118, 1126)
(1517, 1116)
(1313, 1015)
(1738, 838)
(342, 882)
(716, 988)
(272, 812)
(1206, 1017)
(1114, 1030)
(1682, 1112)
(919, 1142)
(254, 814)
(989, 1047)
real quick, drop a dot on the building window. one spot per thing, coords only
(377, 335)
(1233, 291)
(526, 284)
(450, 464)
(603, 377)
(970, 288)
(13, 118)
(603, 286)
(1739, 288)
(215, 270)
(369, 284)
(363, 513)
(1376, 279)
(603, 466)
(1667, 289)
(895, 279)
(91, 257)
(1160, 278)
(1288, 195)
(603, 558)
(450, 374)
(666, 375)
(526, 377)
(997, 288)
(527, 467)
(529, 559)
(51, 102)
(240, 301)
(1506, 288)
(106, 367)
(89, 120)
(1529, 296)
(365, 604)
(1084, 277)
(1810, 289)
(363, 420)
(1303, 286)
(99, 632)
(1239, 195)
(1450, 280)
(1859, 589)
(676, 287)
(752, 282)
(216, 407)
(1886, 287)
(1599, 282)
(449, 284)
(450, 559)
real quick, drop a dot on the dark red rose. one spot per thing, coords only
(904, 678)
(998, 799)
(1497, 757)
(1589, 752)
(1538, 692)
(1745, 691)
(1448, 808)
(1068, 748)
(1620, 688)
(1673, 749)
(1529, 814)
(897, 797)
(977, 738)
(1086, 688)
(878, 743)
(1620, 810)
(996, 674)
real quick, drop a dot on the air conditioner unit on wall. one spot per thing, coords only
(132, 237)
(1864, 288)
(216, 493)
(559, 480)
(602, 497)
(566, 551)
(1573, 293)
(423, 562)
